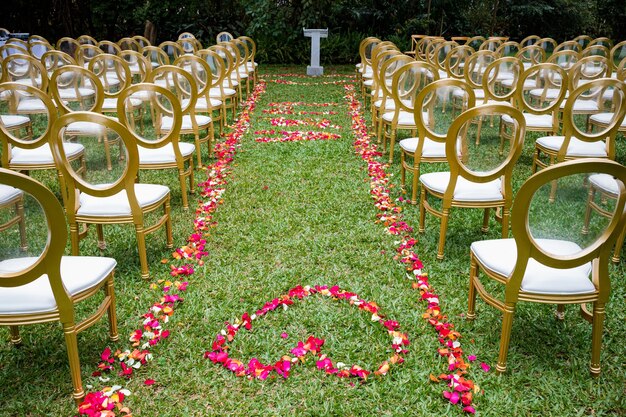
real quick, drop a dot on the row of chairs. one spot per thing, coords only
(61, 123)
(411, 94)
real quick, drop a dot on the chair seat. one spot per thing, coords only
(404, 118)
(605, 119)
(42, 154)
(431, 149)
(251, 66)
(605, 182)
(164, 154)
(11, 120)
(8, 193)
(536, 121)
(479, 93)
(465, 190)
(201, 103)
(529, 83)
(110, 103)
(201, 120)
(576, 146)
(590, 106)
(117, 205)
(547, 94)
(31, 106)
(368, 83)
(500, 256)
(216, 92)
(72, 94)
(78, 273)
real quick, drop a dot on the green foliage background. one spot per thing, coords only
(277, 25)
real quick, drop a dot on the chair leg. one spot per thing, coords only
(392, 141)
(596, 338)
(168, 224)
(19, 212)
(69, 329)
(485, 227)
(416, 176)
(505, 337)
(445, 216)
(422, 223)
(109, 291)
(100, 232)
(74, 239)
(183, 188)
(590, 197)
(402, 171)
(471, 302)
(506, 216)
(618, 246)
(141, 248)
(14, 332)
(196, 138)
(560, 312)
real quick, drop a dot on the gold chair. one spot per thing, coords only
(68, 45)
(25, 145)
(250, 64)
(109, 47)
(155, 55)
(229, 81)
(163, 150)
(226, 97)
(583, 41)
(171, 49)
(529, 40)
(87, 40)
(25, 69)
(429, 145)
(183, 85)
(86, 52)
(468, 186)
(577, 142)
(223, 37)
(386, 64)
(531, 97)
(406, 83)
(98, 200)
(547, 270)
(45, 288)
(129, 44)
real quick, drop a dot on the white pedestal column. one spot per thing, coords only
(315, 34)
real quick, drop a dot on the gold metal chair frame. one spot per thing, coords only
(77, 185)
(457, 169)
(425, 102)
(17, 202)
(172, 137)
(49, 264)
(598, 253)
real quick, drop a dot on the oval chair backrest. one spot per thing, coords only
(441, 53)
(365, 50)
(377, 63)
(223, 37)
(602, 41)
(38, 48)
(426, 101)
(86, 53)
(475, 42)
(49, 262)
(529, 40)
(617, 54)
(408, 81)
(498, 70)
(531, 54)
(588, 69)
(593, 50)
(217, 65)
(568, 46)
(113, 73)
(14, 92)
(82, 85)
(456, 59)
(251, 47)
(54, 59)
(155, 55)
(583, 41)
(565, 59)
(200, 71)
(547, 78)
(76, 184)
(508, 48)
(504, 169)
(87, 40)
(599, 251)
(172, 49)
(387, 69)
(129, 44)
(548, 44)
(68, 45)
(595, 90)
(174, 79)
(154, 92)
(109, 47)
(476, 66)
(227, 60)
(142, 41)
(135, 59)
(26, 69)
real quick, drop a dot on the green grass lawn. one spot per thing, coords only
(301, 213)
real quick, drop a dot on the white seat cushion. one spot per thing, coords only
(500, 255)
(85, 128)
(7, 193)
(164, 154)
(201, 120)
(576, 146)
(431, 149)
(216, 92)
(479, 93)
(78, 273)
(605, 182)
(201, 103)
(110, 103)
(70, 93)
(117, 205)
(251, 66)
(368, 83)
(550, 93)
(537, 121)
(404, 118)
(42, 154)
(31, 105)
(590, 106)
(465, 190)
(605, 118)
(11, 120)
